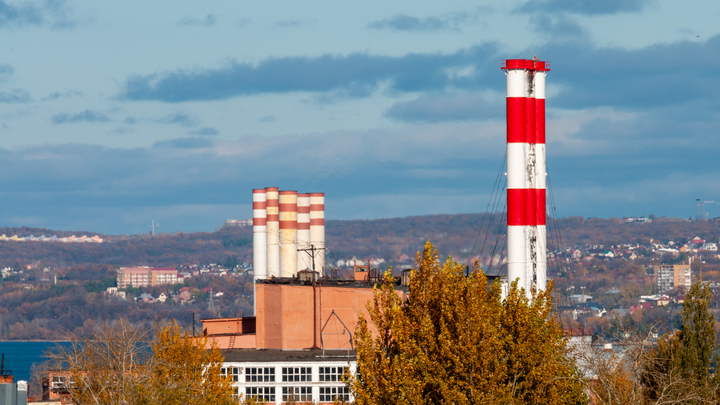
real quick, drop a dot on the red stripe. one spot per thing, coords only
(515, 119)
(526, 207)
(288, 207)
(530, 120)
(259, 191)
(259, 205)
(272, 203)
(317, 194)
(317, 221)
(273, 218)
(288, 224)
(259, 221)
(317, 207)
(539, 120)
(288, 192)
(303, 225)
(303, 210)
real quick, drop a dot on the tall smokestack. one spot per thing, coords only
(288, 233)
(303, 231)
(259, 234)
(526, 173)
(273, 233)
(541, 69)
(317, 229)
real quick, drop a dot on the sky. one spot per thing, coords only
(114, 114)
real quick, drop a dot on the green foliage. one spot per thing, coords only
(680, 368)
(100, 286)
(697, 337)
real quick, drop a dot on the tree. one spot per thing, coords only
(679, 369)
(123, 364)
(454, 341)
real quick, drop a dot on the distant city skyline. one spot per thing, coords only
(115, 114)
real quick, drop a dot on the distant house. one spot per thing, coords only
(576, 254)
(162, 297)
(709, 247)
(145, 297)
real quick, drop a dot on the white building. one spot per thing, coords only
(279, 376)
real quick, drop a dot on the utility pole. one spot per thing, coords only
(312, 251)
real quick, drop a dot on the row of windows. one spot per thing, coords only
(289, 374)
(327, 394)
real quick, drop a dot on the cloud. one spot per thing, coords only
(184, 143)
(48, 12)
(584, 7)
(208, 21)
(5, 72)
(558, 26)
(57, 95)
(356, 74)
(205, 131)
(268, 118)
(295, 23)
(15, 96)
(404, 22)
(83, 116)
(444, 108)
(19, 15)
(182, 119)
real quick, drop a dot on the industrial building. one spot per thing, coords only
(299, 344)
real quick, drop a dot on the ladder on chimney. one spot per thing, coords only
(232, 342)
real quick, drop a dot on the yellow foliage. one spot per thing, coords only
(455, 341)
(123, 364)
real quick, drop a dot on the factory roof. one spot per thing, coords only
(276, 355)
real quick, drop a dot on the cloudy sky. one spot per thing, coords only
(113, 114)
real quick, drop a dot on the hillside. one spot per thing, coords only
(388, 239)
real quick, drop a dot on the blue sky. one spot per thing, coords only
(113, 114)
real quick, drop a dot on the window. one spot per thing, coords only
(330, 394)
(260, 374)
(233, 372)
(297, 394)
(296, 374)
(332, 373)
(261, 393)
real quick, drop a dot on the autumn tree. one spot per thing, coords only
(453, 340)
(129, 364)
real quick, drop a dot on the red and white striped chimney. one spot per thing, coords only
(317, 229)
(259, 202)
(273, 233)
(526, 174)
(288, 233)
(303, 231)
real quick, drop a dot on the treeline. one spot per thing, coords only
(49, 312)
(458, 235)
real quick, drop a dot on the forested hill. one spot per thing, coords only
(389, 239)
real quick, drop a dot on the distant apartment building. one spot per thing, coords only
(672, 276)
(146, 276)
